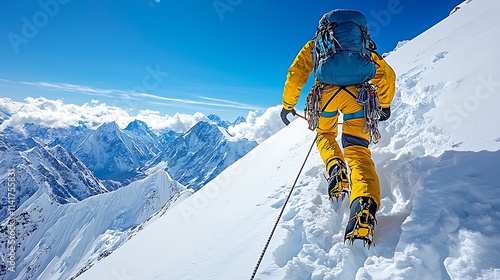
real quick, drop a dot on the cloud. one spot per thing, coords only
(75, 88)
(259, 128)
(216, 102)
(178, 122)
(144, 97)
(55, 113)
(231, 104)
(9, 107)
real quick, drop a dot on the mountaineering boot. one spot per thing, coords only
(362, 221)
(338, 183)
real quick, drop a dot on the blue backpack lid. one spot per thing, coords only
(343, 15)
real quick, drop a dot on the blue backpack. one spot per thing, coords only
(342, 49)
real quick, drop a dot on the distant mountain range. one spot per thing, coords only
(82, 192)
(199, 155)
(53, 171)
(119, 156)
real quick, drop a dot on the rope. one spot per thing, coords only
(313, 106)
(282, 211)
(368, 98)
(319, 88)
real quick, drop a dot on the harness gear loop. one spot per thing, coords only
(368, 98)
(313, 105)
(313, 108)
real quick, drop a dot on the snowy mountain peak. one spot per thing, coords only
(206, 147)
(140, 130)
(239, 120)
(137, 125)
(110, 127)
(218, 121)
(203, 132)
(214, 118)
(167, 136)
(111, 153)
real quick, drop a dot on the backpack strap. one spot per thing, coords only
(350, 92)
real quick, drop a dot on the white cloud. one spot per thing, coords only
(178, 122)
(214, 101)
(259, 128)
(133, 96)
(229, 103)
(75, 88)
(8, 106)
(55, 113)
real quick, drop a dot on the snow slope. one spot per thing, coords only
(60, 241)
(438, 163)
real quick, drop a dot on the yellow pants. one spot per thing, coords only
(364, 179)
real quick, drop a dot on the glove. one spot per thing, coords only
(385, 114)
(284, 114)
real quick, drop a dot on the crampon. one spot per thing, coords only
(338, 183)
(338, 193)
(361, 225)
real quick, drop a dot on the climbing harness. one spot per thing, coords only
(313, 104)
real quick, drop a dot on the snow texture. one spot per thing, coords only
(438, 163)
(59, 241)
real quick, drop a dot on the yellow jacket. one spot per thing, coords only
(302, 66)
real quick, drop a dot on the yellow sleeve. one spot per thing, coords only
(298, 73)
(385, 79)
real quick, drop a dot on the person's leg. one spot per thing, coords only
(330, 152)
(364, 178)
(365, 194)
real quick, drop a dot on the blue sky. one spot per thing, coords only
(218, 56)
